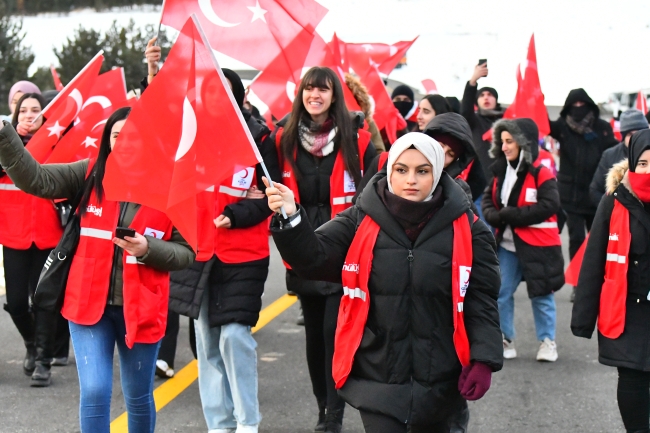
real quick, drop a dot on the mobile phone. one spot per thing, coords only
(482, 61)
(121, 232)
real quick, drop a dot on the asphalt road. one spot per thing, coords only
(574, 394)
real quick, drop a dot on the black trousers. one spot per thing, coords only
(22, 269)
(167, 351)
(377, 423)
(633, 394)
(321, 313)
(576, 224)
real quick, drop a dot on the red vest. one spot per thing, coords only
(546, 159)
(145, 289)
(611, 314)
(544, 234)
(245, 244)
(355, 303)
(465, 173)
(342, 187)
(25, 219)
(206, 228)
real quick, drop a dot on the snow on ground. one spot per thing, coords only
(595, 44)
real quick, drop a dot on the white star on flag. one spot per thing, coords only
(258, 12)
(88, 142)
(55, 129)
(367, 47)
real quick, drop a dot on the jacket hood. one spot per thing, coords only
(525, 133)
(576, 95)
(456, 126)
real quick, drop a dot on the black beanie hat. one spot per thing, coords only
(487, 89)
(238, 90)
(404, 90)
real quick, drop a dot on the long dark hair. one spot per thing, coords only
(94, 180)
(37, 96)
(439, 103)
(345, 138)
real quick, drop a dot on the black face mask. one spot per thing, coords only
(403, 107)
(579, 113)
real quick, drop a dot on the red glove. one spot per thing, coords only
(474, 381)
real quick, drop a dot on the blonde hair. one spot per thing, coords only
(360, 93)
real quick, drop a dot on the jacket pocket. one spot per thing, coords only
(149, 308)
(12, 218)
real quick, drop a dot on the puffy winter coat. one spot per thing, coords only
(632, 348)
(314, 190)
(610, 157)
(543, 266)
(579, 155)
(406, 365)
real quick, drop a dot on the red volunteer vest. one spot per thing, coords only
(544, 234)
(355, 303)
(205, 216)
(25, 219)
(245, 244)
(342, 187)
(546, 159)
(145, 290)
(611, 315)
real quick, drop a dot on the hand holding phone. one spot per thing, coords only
(121, 232)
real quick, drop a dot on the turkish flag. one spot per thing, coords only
(255, 32)
(616, 127)
(529, 101)
(276, 86)
(573, 270)
(55, 77)
(183, 136)
(385, 57)
(339, 53)
(82, 141)
(641, 102)
(430, 87)
(386, 116)
(64, 109)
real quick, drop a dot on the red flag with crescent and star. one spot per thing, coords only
(64, 110)
(185, 135)
(252, 31)
(83, 139)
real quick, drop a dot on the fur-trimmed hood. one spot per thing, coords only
(616, 176)
(525, 133)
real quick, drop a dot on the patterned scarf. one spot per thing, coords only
(584, 126)
(317, 139)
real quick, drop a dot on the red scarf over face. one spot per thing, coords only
(640, 183)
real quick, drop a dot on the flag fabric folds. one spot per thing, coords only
(185, 135)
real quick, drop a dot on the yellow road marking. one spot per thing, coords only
(171, 388)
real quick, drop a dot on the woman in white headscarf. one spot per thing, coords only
(418, 327)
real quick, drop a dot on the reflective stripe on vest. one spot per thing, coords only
(342, 200)
(232, 191)
(545, 225)
(96, 233)
(9, 187)
(615, 258)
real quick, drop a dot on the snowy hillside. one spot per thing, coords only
(595, 44)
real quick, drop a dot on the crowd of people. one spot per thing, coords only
(405, 256)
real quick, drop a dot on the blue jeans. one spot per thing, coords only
(93, 350)
(227, 375)
(543, 306)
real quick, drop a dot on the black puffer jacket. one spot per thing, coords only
(235, 290)
(543, 267)
(456, 126)
(579, 155)
(479, 124)
(314, 190)
(406, 366)
(632, 348)
(610, 157)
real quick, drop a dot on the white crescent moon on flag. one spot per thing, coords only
(78, 99)
(103, 122)
(211, 15)
(99, 99)
(291, 90)
(188, 131)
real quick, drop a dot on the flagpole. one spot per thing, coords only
(232, 100)
(162, 11)
(56, 98)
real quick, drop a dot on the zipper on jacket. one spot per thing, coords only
(410, 259)
(111, 292)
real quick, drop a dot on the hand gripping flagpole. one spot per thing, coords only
(232, 100)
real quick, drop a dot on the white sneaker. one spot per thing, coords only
(163, 370)
(509, 351)
(547, 351)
